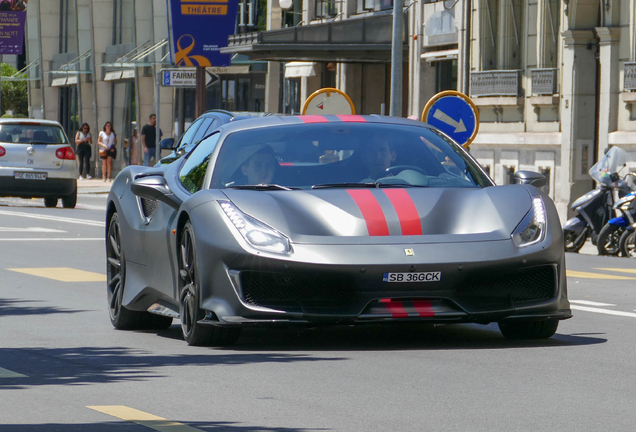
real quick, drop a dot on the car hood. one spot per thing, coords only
(388, 215)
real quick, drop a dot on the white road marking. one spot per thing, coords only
(5, 373)
(31, 229)
(603, 311)
(53, 218)
(590, 303)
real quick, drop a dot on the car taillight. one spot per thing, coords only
(65, 153)
(2, 151)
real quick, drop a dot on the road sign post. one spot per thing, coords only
(455, 114)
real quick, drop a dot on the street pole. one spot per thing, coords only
(157, 109)
(396, 58)
(199, 98)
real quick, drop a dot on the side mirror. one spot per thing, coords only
(155, 187)
(530, 177)
(167, 144)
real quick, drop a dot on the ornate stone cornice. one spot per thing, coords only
(608, 35)
(578, 37)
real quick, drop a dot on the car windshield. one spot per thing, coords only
(31, 133)
(330, 155)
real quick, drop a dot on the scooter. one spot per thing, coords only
(594, 209)
(609, 239)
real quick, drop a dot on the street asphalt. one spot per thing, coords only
(64, 368)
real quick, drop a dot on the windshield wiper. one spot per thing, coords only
(262, 187)
(364, 185)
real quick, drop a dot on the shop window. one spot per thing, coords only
(292, 96)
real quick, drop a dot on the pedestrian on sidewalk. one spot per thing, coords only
(83, 143)
(148, 138)
(108, 152)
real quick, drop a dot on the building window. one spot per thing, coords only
(292, 96)
(368, 4)
(487, 169)
(546, 173)
(446, 75)
(325, 9)
(509, 175)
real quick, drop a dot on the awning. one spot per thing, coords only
(450, 54)
(365, 39)
(122, 67)
(67, 74)
(58, 82)
(30, 72)
(300, 69)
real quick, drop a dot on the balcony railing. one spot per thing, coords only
(543, 81)
(630, 76)
(495, 83)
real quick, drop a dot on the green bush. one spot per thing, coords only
(14, 94)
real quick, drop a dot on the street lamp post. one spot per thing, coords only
(396, 58)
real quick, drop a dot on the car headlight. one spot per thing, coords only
(256, 233)
(532, 228)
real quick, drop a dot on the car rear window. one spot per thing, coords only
(31, 133)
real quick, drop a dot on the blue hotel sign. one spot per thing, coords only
(198, 31)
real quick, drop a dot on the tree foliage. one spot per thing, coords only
(14, 93)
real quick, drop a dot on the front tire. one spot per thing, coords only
(609, 240)
(190, 312)
(121, 317)
(528, 329)
(627, 244)
(574, 242)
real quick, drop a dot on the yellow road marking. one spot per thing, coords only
(4, 373)
(63, 274)
(620, 270)
(587, 275)
(143, 419)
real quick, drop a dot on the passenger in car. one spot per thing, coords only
(260, 167)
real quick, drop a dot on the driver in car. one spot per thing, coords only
(260, 167)
(377, 157)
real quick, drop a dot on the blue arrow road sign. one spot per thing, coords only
(454, 116)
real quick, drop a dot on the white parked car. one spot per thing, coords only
(37, 161)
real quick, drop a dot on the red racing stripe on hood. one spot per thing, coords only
(371, 211)
(313, 119)
(406, 211)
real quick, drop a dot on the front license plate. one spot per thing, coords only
(30, 176)
(412, 277)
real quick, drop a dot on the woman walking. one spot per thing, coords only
(108, 149)
(83, 143)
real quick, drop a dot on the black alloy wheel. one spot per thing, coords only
(627, 245)
(528, 329)
(121, 317)
(195, 333)
(50, 202)
(574, 242)
(609, 238)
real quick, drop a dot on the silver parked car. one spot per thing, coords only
(37, 161)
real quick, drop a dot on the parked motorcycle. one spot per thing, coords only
(594, 209)
(609, 238)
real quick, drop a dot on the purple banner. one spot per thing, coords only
(12, 32)
(199, 29)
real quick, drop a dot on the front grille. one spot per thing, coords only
(533, 284)
(148, 206)
(280, 289)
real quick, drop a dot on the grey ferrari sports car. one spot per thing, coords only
(330, 220)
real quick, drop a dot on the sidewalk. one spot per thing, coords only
(93, 186)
